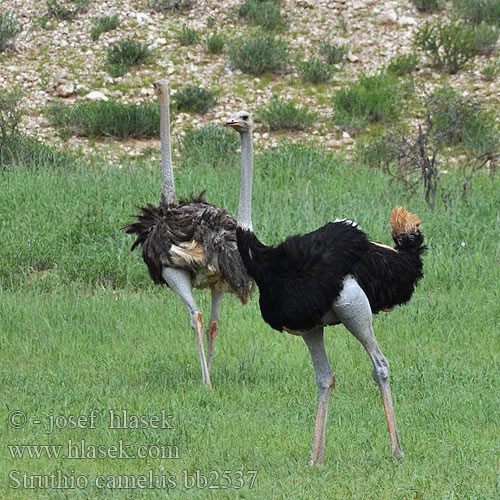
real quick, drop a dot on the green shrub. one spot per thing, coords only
(106, 119)
(478, 11)
(404, 64)
(315, 71)
(259, 54)
(102, 24)
(9, 29)
(457, 120)
(194, 99)
(215, 43)
(210, 145)
(10, 113)
(449, 45)
(333, 53)
(285, 115)
(164, 5)
(124, 54)
(491, 72)
(188, 36)
(65, 11)
(428, 5)
(484, 39)
(24, 151)
(266, 14)
(371, 99)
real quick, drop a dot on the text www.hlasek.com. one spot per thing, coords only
(82, 450)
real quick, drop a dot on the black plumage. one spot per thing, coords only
(300, 279)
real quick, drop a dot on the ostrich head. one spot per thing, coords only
(240, 121)
(161, 86)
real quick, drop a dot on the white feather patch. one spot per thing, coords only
(350, 222)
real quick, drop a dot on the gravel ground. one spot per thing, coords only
(62, 60)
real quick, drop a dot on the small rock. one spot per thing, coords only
(147, 92)
(407, 21)
(352, 58)
(346, 138)
(142, 17)
(158, 42)
(387, 17)
(306, 4)
(65, 89)
(95, 95)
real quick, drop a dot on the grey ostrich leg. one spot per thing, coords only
(353, 309)
(213, 325)
(179, 281)
(325, 381)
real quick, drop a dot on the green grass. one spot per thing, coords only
(121, 56)
(106, 119)
(103, 24)
(266, 14)
(194, 99)
(281, 114)
(209, 145)
(9, 29)
(315, 71)
(259, 53)
(82, 327)
(188, 36)
(370, 99)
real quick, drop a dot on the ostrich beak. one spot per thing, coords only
(232, 123)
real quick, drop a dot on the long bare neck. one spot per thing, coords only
(167, 170)
(245, 202)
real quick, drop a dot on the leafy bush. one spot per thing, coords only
(259, 54)
(333, 53)
(404, 64)
(194, 99)
(315, 71)
(106, 118)
(457, 120)
(450, 46)
(209, 145)
(285, 115)
(478, 11)
(428, 5)
(266, 14)
(490, 72)
(164, 5)
(102, 24)
(484, 39)
(124, 54)
(9, 29)
(24, 151)
(17, 149)
(65, 11)
(188, 36)
(10, 113)
(215, 43)
(371, 99)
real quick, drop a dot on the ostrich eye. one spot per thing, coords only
(245, 117)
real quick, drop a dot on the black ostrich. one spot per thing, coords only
(191, 244)
(334, 275)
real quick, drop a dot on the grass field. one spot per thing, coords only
(83, 328)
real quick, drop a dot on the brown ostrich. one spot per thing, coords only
(190, 244)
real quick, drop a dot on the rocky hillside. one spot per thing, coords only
(57, 59)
